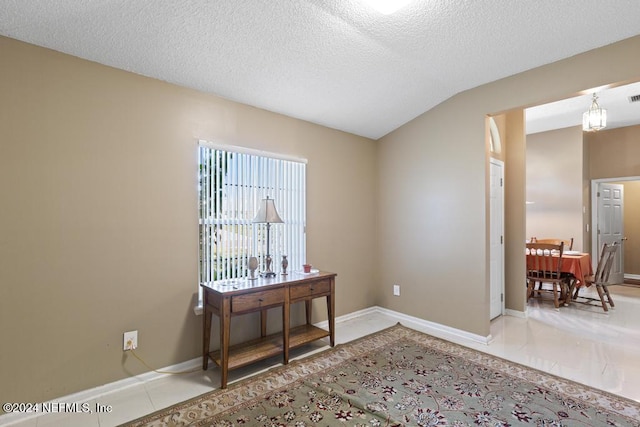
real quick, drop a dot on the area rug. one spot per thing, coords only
(401, 377)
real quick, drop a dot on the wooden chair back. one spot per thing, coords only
(544, 265)
(568, 243)
(603, 270)
(544, 260)
(601, 277)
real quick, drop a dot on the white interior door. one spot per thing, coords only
(496, 255)
(610, 204)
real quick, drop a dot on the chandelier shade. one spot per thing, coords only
(595, 118)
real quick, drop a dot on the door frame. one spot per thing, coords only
(594, 211)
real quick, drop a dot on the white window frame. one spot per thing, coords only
(244, 178)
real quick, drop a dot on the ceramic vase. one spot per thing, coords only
(252, 265)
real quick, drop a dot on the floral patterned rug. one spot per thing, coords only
(401, 377)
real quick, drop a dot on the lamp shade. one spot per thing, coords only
(267, 213)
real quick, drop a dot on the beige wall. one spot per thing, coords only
(632, 227)
(98, 225)
(615, 153)
(515, 210)
(99, 234)
(554, 185)
(432, 201)
(561, 154)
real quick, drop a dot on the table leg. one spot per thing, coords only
(225, 326)
(286, 312)
(331, 304)
(307, 308)
(576, 289)
(206, 337)
(263, 323)
(570, 286)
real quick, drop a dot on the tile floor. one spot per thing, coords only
(578, 342)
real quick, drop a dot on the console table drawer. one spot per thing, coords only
(257, 300)
(309, 290)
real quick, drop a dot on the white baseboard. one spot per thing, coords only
(515, 313)
(437, 329)
(349, 316)
(432, 328)
(95, 393)
(632, 276)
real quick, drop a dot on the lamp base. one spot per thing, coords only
(268, 273)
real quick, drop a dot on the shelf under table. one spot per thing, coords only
(262, 348)
(304, 334)
(251, 351)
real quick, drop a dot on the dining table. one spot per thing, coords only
(577, 265)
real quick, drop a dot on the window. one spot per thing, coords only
(232, 182)
(495, 145)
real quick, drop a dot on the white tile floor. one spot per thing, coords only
(578, 342)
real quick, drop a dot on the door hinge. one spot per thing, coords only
(501, 239)
(598, 194)
(501, 297)
(500, 182)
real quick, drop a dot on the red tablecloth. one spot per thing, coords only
(578, 265)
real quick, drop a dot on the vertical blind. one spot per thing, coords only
(231, 186)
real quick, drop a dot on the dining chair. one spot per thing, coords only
(544, 263)
(601, 277)
(568, 243)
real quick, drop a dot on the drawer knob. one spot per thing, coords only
(260, 299)
(312, 288)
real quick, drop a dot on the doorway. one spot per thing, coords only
(609, 225)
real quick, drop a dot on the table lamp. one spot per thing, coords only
(267, 214)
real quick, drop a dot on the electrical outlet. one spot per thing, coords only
(396, 290)
(130, 341)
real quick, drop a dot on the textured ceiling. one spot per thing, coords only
(337, 63)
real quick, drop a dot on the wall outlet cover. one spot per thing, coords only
(130, 340)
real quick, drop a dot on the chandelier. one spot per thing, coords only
(595, 118)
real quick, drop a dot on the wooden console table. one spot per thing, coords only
(227, 298)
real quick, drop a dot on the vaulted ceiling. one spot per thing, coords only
(337, 63)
